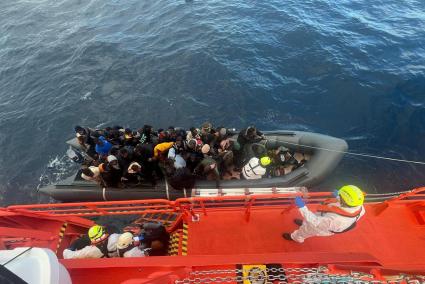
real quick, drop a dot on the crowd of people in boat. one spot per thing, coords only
(136, 240)
(122, 157)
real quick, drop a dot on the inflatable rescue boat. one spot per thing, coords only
(320, 155)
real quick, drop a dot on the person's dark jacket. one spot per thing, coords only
(182, 179)
(244, 137)
(111, 176)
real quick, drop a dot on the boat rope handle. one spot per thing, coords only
(166, 189)
(354, 154)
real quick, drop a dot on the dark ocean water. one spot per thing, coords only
(351, 69)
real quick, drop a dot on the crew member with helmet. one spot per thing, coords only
(102, 244)
(126, 246)
(332, 217)
(255, 168)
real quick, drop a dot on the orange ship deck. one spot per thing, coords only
(229, 232)
(394, 238)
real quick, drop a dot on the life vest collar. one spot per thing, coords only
(328, 208)
(101, 168)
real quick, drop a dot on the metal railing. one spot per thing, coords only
(189, 205)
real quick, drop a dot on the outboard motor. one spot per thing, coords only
(75, 155)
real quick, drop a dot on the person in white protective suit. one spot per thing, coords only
(101, 245)
(331, 218)
(126, 246)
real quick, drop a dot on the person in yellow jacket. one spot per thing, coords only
(161, 148)
(331, 218)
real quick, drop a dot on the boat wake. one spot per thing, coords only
(56, 169)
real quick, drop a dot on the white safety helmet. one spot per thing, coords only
(125, 240)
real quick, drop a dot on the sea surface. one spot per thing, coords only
(351, 69)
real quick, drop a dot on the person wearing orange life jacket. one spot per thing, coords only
(331, 218)
(101, 245)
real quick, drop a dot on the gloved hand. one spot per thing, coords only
(139, 238)
(336, 193)
(299, 202)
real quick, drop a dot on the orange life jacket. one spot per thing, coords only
(327, 208)
(101, 168)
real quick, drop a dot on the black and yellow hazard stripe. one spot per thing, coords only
(184, 239)
(61, 234)
(173, 248)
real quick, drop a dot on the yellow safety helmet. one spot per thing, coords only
(352, 195)
(97, 234)
(265, 161)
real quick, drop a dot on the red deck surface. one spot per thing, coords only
(394, 238)
(225, 238)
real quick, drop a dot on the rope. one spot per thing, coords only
(17, 256)
(389, 193)
(354, 154)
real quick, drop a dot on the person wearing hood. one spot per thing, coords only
(147, 135)
(334, 217)
(193, 156)
(86, 138)
(143, 154)
(160, 151)
(111, 172)
(208, 168)
(102, 146)
(130, 138)
(249, 135)
(133, 174)
(125, 157)
(193, 133)
(208, 135)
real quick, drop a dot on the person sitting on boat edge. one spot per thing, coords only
(101, 245)
(111, 172)
(331, 218)
(255, 168)
(133, 175)
(249, 135)
(85, 137)
(91, 173)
